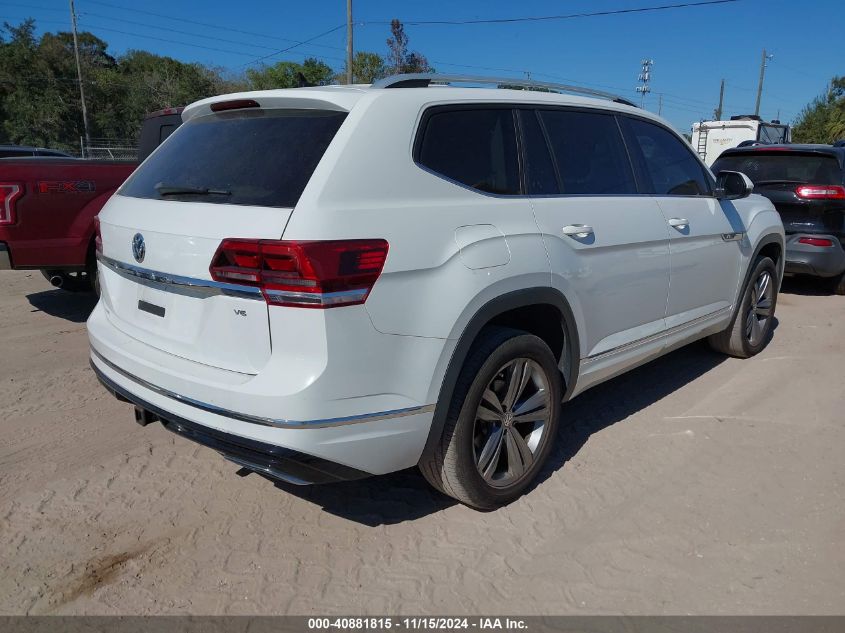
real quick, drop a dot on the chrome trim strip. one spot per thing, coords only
(315, 298)
(654, 337)
(190, 286)
(254, 419)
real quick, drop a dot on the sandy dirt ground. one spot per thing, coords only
(695, 484)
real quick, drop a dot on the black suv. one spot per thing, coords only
(806, 183)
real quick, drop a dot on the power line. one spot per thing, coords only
(285, 50)
(569, 16)
(227, 28)
(164, 28)
(170, 41)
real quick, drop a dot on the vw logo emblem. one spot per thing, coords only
(139, 249)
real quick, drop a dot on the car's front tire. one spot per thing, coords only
(751, 327)
(501, 422)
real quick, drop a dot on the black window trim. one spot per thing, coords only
(528, 110)
(456, 107)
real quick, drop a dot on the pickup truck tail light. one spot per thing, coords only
(318, 274)
(821, 192)
(10, 193)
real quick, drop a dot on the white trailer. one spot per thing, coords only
(711, 138)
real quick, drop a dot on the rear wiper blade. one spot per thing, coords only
(178, 190)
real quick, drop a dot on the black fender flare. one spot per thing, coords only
(771, 238)
(501, 304)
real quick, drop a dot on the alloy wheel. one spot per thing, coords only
(760, 311)
(511, 422)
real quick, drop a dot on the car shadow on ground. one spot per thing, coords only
(72, 306)
(806, 286)
(405, 496)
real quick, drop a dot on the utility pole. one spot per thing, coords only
(762, 75)
(660, 105)
(349, 77)
(645, 78)
(717, 114)
(79, 75)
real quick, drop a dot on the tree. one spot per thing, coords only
(39, 90)
(397, 44)
(823, 120)
(366, 68)
(287, 75)
(401, 61)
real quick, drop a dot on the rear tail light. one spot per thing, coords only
(10, 192)
(815, 241)
(325, 274)
(98, 237)
(821, 192)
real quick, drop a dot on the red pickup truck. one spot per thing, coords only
(48, 206)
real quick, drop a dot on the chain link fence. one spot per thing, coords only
(110, 149)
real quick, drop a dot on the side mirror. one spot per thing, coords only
(733, 185)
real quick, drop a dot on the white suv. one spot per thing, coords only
(328, 283)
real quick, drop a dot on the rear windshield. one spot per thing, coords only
(250, 157)
(783, 168)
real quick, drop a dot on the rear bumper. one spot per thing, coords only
(5, 257)
(376, 433)
(819, 261)
(276, 462)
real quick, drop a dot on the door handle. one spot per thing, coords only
(578, 230)
(679, 223)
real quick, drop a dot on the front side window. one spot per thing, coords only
(475, 147)
(669, 165)
(589, 152)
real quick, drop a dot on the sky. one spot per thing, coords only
(693, 48)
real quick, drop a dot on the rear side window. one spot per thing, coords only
(670, 168)
(475, 147)
(590, 153)
(248, 157)
(783, 168)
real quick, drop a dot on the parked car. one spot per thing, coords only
(806, 183)
(21, 151)
(49, 207)
(328, 283)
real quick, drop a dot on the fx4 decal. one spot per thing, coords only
(66, 186)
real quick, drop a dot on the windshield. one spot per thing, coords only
(248, 157)
(772, 134)
(782, 167)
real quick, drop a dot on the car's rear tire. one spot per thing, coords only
(751, 326)
(501, 423)
(837, 284)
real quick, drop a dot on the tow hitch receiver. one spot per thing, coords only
(144, 417)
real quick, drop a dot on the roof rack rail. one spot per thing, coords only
(423, 80)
